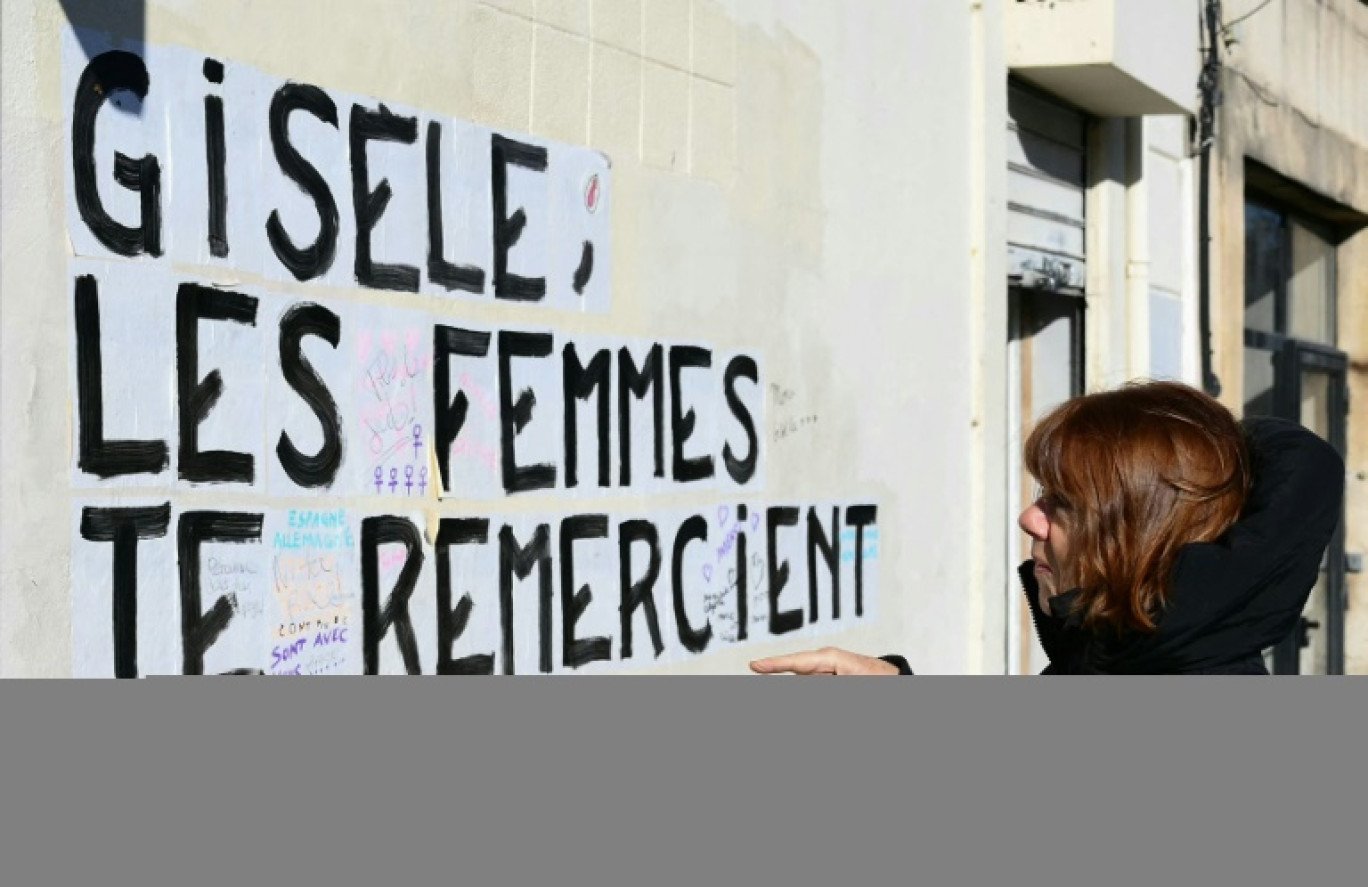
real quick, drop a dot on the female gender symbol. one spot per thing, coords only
(394, 478)
(417, 440)
(379, 478)
(422, 480)
(408, 479)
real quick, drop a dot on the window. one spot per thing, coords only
(1289, 292)
(1289, 276)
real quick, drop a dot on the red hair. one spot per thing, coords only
(1133, 475)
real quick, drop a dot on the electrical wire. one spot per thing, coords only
(1248, 15)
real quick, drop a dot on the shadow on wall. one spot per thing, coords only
(1063, 142)
(120, 18)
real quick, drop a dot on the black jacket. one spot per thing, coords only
(1232, 598)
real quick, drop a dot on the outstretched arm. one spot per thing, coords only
(828, 660)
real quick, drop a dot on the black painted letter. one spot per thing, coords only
(199, 629)
(641, 592)
(198, 398)
(517, 561)
(741, 470)
(216, 160)
(381, 126)
(377, 531)
(695, 641)
(314, 260)
(451, 413)
(97, 456)
(124, 527)
(106, 74)
(742, 585)
(579, 383)
(780, 622)
(451, 624)
(441, 272)
(818, 540)
(682, 423)
(577, 652)
(631, 381)
(319, 469)
(859, 517)
(508, 229)
(514, 416)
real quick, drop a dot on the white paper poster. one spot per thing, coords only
(272, 351)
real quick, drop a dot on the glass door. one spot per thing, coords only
(1293, 370)
(1317, 395)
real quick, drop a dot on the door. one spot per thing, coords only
(1047, 174)
(1294, 370)
(1308, 385)
(1045, 368)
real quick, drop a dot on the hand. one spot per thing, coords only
(828, 660)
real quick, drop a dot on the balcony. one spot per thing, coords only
(1113, 58)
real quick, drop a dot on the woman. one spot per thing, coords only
(1166, 538)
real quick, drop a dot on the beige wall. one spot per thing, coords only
(790, 177)
(1171, 228)
(1296, 100)
(1142, 317)
(1111, 57)
(1311, 54)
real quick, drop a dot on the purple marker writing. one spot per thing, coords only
(408, 479)
(379, 478)
(394, 478)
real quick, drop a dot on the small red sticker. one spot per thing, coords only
(591, 193)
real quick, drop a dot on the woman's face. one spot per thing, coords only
(1044, 523)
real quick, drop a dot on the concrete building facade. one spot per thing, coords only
(1290, 205)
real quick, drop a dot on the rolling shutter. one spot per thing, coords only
(1046, 192)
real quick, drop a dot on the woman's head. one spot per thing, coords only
(1127, 478)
